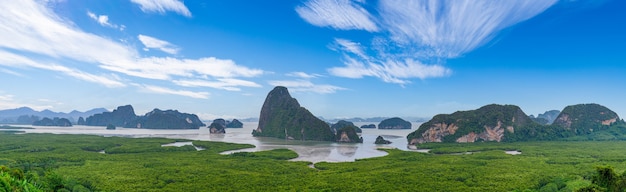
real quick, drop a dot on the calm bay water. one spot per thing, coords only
(307, 150)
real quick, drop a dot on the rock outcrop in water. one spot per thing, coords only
(218, 126)
(348, 135)
(488, 123)
(370, 126)
(344, 123)
(61, 122)
(124, 116)
(586, 118)
(381, 140)
(81, 121)
(234, 124)
(168, 119)
(118, 117)
(283, 117)
(394, 123)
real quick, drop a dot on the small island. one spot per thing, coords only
(124, 116)
(381, 140)
(282, 117)
(218, 126)
(61, 122)
(394, 123)
(234, 124)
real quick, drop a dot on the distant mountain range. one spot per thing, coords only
(374, 119)
(12, 115)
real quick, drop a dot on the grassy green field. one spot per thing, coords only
(73, 162)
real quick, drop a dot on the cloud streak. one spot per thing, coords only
(33, 36)
(413, 39)
(224, 83)
(103, 20)
(338, 14)
(13, 60)
(162, 6)
(303, 75)
(306, 86)
(154, 43)
(449, 28)
(164, 90)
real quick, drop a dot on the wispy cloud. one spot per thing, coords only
(303, 75)
(164, 90)
(306, 86)
(349, 47)
(33, 36)
(415, 38)
(154, 43)
(390, 71)
(338, 14)
(163, 68)
(223, 83)
(11, 72)
(162, 6)
(7, 101)
(104, 21)
(450, 28)
(13, 60)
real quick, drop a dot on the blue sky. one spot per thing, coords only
(339, 58)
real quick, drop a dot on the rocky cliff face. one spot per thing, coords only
(585, 118)
(488, 123)
(118, 117)
(348, 134)
(283, 117)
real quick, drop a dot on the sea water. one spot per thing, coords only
(313, 151)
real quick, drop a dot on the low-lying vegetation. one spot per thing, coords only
(75, 163)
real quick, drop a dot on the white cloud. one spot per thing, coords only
(27, 26)
(306, 86)
(211, 117)
(164, 90)
(7, 101)
(223, 83)
(154, 43)
(338, 14)
(10, 59)
(104, 21)
(390, 71)
(161, 6)
(163, 68)
(11, 72)
(450, 28)
(418, 33)
(33, 36)
(350, 47)
(303, 75)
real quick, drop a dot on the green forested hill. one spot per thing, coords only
(450, 127)
(510, 123)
